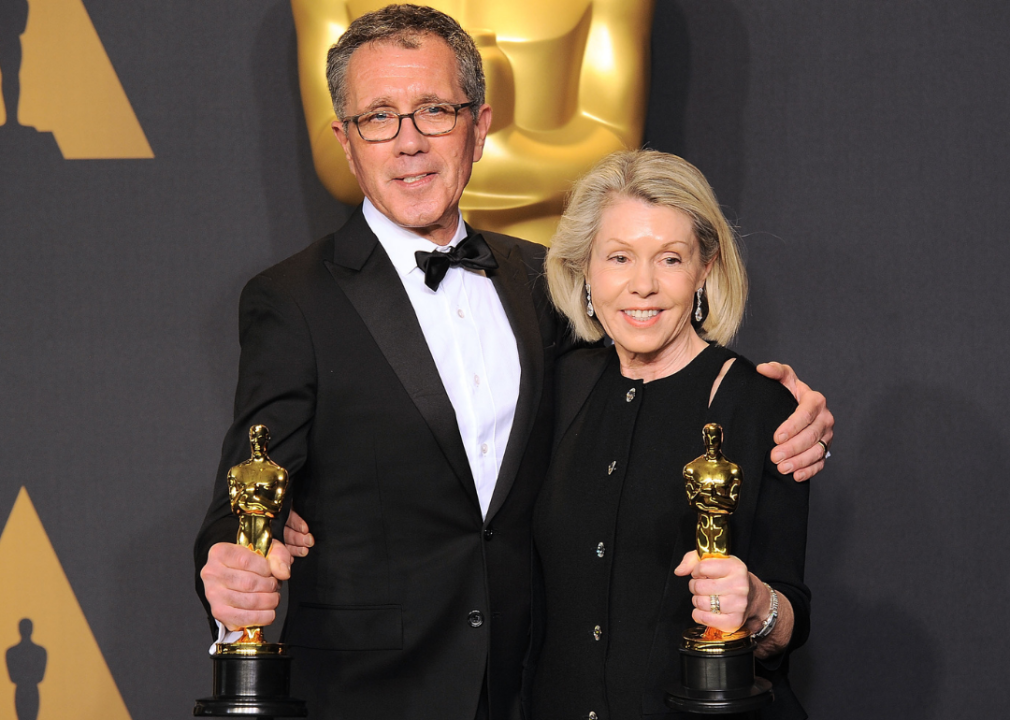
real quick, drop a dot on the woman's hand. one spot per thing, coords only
(729, 580)
(744, 601)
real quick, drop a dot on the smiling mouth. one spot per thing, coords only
(411, 179)
(641, 314)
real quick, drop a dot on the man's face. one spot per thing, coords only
(414, 180)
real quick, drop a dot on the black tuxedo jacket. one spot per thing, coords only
(409, 600)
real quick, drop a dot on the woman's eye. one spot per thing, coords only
(671, 260)
(619, 258)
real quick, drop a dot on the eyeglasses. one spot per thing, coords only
(430, 120)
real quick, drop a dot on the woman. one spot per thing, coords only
(644, 256)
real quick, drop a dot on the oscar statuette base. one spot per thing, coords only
(718, 680)
(251, 685)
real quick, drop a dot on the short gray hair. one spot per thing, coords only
(658, 179)
(407, 26)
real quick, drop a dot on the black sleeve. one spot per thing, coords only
(276, 388)
(779, 538)
(775, 518)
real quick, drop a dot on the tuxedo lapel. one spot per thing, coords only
(367, 277)
(511, 281)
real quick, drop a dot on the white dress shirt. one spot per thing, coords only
(472, 343)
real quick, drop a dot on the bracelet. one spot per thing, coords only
(773, 616)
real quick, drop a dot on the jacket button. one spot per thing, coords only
(475, 618)
(488, 533)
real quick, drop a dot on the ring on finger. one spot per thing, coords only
(713, 603)
(826, 454)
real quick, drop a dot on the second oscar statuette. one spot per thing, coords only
(252, 678)
(717, 668)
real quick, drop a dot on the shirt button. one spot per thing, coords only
(600, 550)
(476, 379)
(597, 633)
(475, 618)
(461, 313)
(630, 396)
(592, 716)
(610, 467)
(483, 449)
(488, 533)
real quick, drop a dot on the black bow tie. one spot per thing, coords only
(472, 252)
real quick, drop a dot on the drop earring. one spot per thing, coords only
(589, 301)
(700, 314)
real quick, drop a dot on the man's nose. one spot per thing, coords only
(409, 140)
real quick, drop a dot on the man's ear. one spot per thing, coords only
(345, 143)
(480, 130)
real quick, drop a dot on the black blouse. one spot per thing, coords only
(612, 522)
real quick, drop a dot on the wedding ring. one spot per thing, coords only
(713, 602)
(826, 453)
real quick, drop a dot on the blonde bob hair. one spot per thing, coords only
(658, 179)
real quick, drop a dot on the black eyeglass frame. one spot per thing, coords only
(400, 116)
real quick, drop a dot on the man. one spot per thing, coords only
(412, 407)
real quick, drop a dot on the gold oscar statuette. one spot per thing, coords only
(252, 677)
(717, 667)
(256, 488)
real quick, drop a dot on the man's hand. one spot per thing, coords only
(297, 537)
(242, 587)
(798, 451)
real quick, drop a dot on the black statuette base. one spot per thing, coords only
(718, 684)
(251, 686)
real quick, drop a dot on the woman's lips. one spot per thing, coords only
(642, 318)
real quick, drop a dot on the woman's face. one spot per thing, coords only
(644, 268)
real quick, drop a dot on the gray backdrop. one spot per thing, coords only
(861, 147)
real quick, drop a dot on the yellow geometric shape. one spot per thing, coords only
(77, 683)
(69, 87)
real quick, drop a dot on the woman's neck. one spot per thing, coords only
(666, 361)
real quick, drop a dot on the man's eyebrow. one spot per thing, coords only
(433, 100)
(385, 102)
(380, 102)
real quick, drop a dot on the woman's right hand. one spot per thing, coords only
(744, 601)
(726, 578)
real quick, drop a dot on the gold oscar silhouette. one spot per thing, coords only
(567, 81)
(252, 678)
(717, 668)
